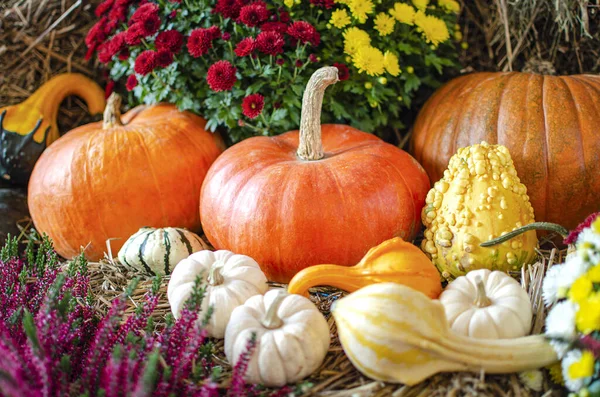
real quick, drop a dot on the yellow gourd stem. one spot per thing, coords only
(48, 97)
(332, 275)
(547, 226)
(310, 146)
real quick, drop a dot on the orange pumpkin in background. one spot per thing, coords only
(321, 195)
(107, 180)
(549, 124)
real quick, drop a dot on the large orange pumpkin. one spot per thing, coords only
(107, 180)
(551, 126)
(320, 195)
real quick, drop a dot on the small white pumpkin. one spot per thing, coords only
(487, 305)
(230, 280)
(292, 337)
(157, 251)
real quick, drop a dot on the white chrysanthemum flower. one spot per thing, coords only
(560, 323)
(573, 268)
(532, 379)
(588, 245)
(574, 385)
(550, 285)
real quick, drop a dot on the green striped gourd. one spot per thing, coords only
(157, 251)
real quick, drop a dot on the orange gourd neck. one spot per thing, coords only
(310, 147)
(393, 260)
(112, 112)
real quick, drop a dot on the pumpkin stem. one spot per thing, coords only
(552, 227)
(310, 146)
(271, 319)
(112, 112)
(481, 299)
(214, 275)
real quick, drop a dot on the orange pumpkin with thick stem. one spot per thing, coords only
(107, 180)
(394, 261)
(549, 125)
(321, 195)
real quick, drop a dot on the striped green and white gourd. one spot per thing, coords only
(159, 250)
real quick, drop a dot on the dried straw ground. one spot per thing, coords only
(337, 377)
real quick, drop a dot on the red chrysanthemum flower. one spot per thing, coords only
(313, 58)
(199, 42)
(280, 61)
(270, 43)
(103, 7)
(164, 58)
(117, 15)
(95, 37)
(143, 12)
(134, 35)
(145, 62)
(343, 71)
(117, 44)
(110, 87)
(131, 82)
(124, 55)
(228, 8)
(304, 32)
(173, 14)
(221, 76)
(245, 47)
(175, 1)
(123, 3)
(214, 32)
(284, 16)
(278, 27)
(169, 40)
(252, 105)
(254, 14)
(104, 55)
(226, 36)
(572, 237)
(149, 25)
(323, 3)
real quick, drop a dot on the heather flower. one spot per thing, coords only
(572, 237)
(254, 14)
(304, 32)
(169, 40)
(240, 367)
(252, 105)
(200, 42)
(221, 76)
(145, 62)
(270, 43)
(245, 47)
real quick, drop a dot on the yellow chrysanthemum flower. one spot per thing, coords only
(581, 289)
(450, 5)
(421, 4)
(584, 367)
(390, 62)
(360, 9)
(555, 371)
(434, 29)
(594, 274)
(403, 13)
(587, 318)
(340, 18)
(384, 24)
(369, 60)
(355, 38)
(288, 3)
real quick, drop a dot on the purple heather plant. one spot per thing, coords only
(53, 344)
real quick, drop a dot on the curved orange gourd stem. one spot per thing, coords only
(394, 260)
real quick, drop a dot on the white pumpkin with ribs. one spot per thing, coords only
(230, 280)
(487, 305)
(292, 338)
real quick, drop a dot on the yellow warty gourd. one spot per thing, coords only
(479, 198)
(393, 333)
